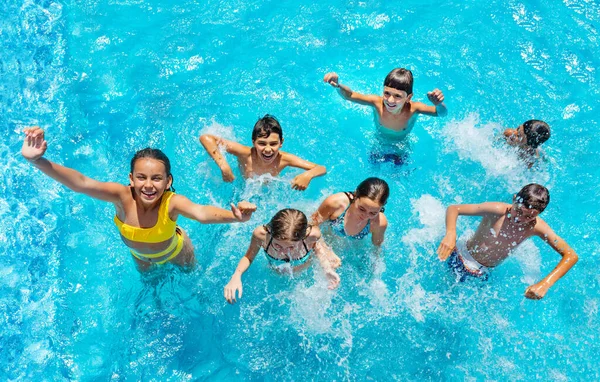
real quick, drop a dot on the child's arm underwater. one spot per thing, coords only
(333, 79)
(235, 283)
(453, 212)
(323, 253)
(211, 144)
(436, 97)
(300, 182)
(209, 214)
(569, 259)
(34, 147)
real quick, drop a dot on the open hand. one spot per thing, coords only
(436, 96)
(34, 145)
(234, 285)
(333, 278)
(332, 78)
(446, 246)
(536, 291)
(301, 181)
(243, 211)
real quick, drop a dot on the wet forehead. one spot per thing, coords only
(149, 166)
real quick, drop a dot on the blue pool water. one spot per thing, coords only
(106, 78)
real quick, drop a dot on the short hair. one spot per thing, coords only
(400, 79)
(537, 132)
(534, 196)
(266, 126)
(288, 224)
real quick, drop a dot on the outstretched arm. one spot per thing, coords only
(235, 283)
(211, 144)
(453, 212)
(34, 147)
(569, 259)
(209, 214)
(324, 253)
(301, 182)
(333, 79)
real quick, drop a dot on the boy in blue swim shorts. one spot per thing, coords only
(503, 227)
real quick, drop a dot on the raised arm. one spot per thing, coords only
(301, 182)
(212, 143)
(34, 147)
(436, 97)
(333, 79)
(454, 211)
(235, 283)
(569, 258)
(180, 205)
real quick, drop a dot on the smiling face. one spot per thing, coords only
(149, 180)
(267, 148)
(394, 99)
(366, 208)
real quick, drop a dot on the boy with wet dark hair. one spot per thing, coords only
(528, 137)
(503, 227)
(394, 111)
(264, 157)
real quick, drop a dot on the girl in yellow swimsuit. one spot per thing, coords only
(147, 209)
(288, 242)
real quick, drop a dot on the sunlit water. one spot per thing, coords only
(106, 78)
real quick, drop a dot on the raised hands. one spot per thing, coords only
(34, 145)
(436, 96)
(243, 211)
(332, 79)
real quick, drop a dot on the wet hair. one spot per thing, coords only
(534, 196)
(375, 189)
(400, 79)
(154, 154)
(537, 132)
(288, 224)
(266, 126)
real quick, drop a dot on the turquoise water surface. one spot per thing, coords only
(106, 78)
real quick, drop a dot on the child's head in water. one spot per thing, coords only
(397, 89)
(531, 134)
(370, 197)
(288, 228)
(150, 175)
(267, 138)
(528, 203)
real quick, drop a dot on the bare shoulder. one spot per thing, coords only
(259, 233)
(338, 200)
(314, 235)
(542, 229)
(380, 221)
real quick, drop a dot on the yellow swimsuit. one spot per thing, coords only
(165, 229)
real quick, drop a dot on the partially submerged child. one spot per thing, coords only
(146, 209)
(264, 157)
(356, 214)
(395, 112)
(288, 242)
(527, 138)
(502, 229)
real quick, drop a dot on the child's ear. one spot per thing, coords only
(514, 198)
(409, 97)
(170, 183)
(131, 179)
(281, 142)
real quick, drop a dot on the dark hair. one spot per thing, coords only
(400, 79)
(153, 154)
(266, 126)
(288, 224)
(373, 188)
(537, 132)
(534, 196)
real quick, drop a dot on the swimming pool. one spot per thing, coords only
(107, 78)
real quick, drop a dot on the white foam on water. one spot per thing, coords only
(528, 256)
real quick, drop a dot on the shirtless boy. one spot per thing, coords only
(395, 113)
(503, 228)
(264, 157)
